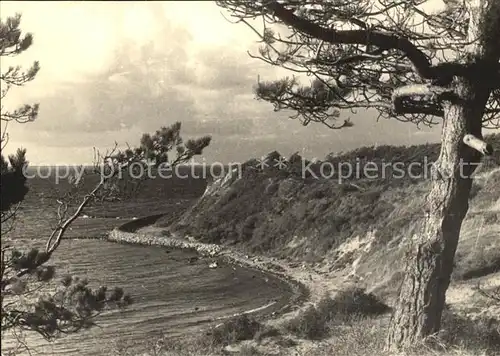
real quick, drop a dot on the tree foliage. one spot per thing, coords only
(13, 43)
(163, 149)
(413, 60)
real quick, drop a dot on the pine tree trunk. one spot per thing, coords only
(430, 261)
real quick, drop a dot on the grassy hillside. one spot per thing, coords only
(304, 217)
(352, 231)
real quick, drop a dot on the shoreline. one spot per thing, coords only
(128, 233)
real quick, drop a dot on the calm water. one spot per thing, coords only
(171, 294)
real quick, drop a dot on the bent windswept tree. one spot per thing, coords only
(30, 300)
(418, 61)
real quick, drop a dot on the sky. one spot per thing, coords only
(111, 71)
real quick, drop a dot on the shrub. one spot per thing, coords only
(315, 322)
(265, 331)
(462, 331)
(308, 324)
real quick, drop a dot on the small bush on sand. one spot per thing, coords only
(265, 331)
(233, 330)
(316, 321)
(366, 338)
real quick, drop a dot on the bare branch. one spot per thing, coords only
(478, 144)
